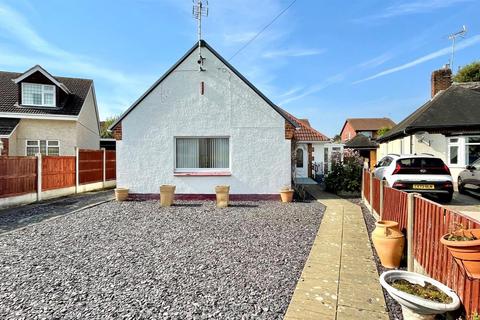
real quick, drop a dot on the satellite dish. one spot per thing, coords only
(421, 134)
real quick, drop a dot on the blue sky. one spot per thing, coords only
(323, 60)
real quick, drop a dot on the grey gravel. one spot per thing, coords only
(135, 260)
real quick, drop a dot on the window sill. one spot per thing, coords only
(203, 174)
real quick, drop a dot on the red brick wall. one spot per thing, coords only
(5, 147)
(347, 130)
(117, 132)
(289, 130)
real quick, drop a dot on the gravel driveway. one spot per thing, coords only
(135, 260)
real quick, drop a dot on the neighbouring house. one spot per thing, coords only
(204, 124)
(313, 150)
(41, 113)
(365, 126)
(360, 133)
(446, 126)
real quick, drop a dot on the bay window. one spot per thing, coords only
(41, 95)
(202, 154)
(472, 149)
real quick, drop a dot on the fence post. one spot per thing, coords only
(410, 222)
(77, 171)
(371, 190)
(382, 186)
(39, 176)
(104, 167)
(363, 187)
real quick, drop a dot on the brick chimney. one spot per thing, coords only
(441, 80)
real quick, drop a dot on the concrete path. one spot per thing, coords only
(340, 279)
(19, 217)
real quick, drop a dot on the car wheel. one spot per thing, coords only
(461, 186)
(446, 197)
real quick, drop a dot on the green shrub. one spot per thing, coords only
(469, 73)
(346, 175)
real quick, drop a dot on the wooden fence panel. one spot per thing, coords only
(58, 172)
(430, 223)
(90, 163)
(366, 185)
(18, 175)
(376, 195)
(111, 165)
(395, 206)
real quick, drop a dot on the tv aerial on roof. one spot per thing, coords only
(454, 37)
(200, 9)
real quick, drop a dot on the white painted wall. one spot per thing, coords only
(435, 144)
(260, 154)
(88, 134)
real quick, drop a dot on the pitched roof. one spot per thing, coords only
(204, 44)
(454, 109)
(361, 142)
(7, 125)
(304, 131)
(369, 124)
(9, 96)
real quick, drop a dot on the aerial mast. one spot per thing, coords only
(453, 37)
(200, 9)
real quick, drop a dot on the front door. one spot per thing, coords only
(301, 162)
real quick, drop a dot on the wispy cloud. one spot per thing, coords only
(315, 88)
(412, 7)
(292, 53)
(376, 61)
(439, 53)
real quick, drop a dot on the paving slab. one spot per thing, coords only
(339, 280)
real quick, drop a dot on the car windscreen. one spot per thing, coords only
(421, 166)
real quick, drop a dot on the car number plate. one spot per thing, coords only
(424, 186)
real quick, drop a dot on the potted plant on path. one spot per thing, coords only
(420, 297)
(464, 245)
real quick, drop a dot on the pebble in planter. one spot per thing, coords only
(167, 193)
(222, 193)
(121, 194)
(421, 297)
(286, 193)
(464, 246)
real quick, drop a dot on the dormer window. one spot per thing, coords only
(39, 95)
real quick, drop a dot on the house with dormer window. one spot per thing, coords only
(41, 113)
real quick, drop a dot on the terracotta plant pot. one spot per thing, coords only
(222, 196)
(286, 195)
(167, 193)
(389, 243)
(121, 194)
(466, 253)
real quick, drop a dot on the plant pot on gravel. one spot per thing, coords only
(286, 193)
(167, 193)
(420, 297)
(222, 193)
(464, 246)
(389, 243)
(121, 194)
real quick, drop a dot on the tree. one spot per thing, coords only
(337, 138)
(104, 133)
(468, 73)
(382, 131)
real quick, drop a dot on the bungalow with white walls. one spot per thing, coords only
(200, 125)
(41, 113)
(446, 126)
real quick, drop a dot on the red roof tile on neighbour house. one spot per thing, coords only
(305, 132)
(370, 124)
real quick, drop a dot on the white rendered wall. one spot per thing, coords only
(88, 134)
(259, 152)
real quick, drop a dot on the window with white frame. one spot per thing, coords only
(34, 94)
(202, 154)
(463, 151)
(45, 147)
